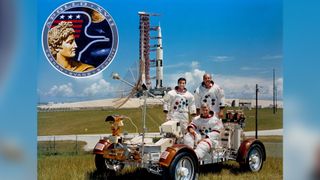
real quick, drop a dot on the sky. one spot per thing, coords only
(19, 91)
(239, 42)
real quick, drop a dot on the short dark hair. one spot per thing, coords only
(207, 74)
(182, 79)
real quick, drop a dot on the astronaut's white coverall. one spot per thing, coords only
(178, 104)
(207, 134)
(213, 97)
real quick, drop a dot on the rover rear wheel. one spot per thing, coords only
(254, 159)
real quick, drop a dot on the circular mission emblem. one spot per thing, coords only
(80, 39)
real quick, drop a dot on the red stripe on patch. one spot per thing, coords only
(73, 21)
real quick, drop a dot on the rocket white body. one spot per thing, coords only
(159, 60)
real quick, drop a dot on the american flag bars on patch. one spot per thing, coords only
(77, 22)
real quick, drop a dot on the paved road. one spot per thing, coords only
(92, 139)
(274, 132)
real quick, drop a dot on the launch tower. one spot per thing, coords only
(144, 54)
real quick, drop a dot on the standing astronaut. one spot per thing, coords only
(211, 94)
(204, 132)
(178, 103)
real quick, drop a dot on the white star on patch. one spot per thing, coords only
(70, 17)
(62, 17)
(78, 16)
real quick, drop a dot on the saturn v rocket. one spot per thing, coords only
(145, 48)
(144, 54)
(159, 59)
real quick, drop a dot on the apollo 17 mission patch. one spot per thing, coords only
(80, 39)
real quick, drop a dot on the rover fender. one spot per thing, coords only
(100, 146)
(168, 155)
(245, 147)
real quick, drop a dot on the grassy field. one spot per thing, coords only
(65, 164)
(274, 139)
(93, 121)
(82, 167)
(47, 148)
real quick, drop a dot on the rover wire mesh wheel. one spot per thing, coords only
(254, 159)
(183, 166)
(101, 166)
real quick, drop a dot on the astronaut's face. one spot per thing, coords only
(68, 47)
(207, 80)
(205, 111)
(182, 84)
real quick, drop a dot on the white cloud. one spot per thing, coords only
(269, 57)
(90, 88)
(194, 77)
(194, 64)
(176, 65)
(244, 87)
(221, 58)
(90, 80)
(94, 86)
(246, 68)
(64, 90)
(279, 86)
(101, 87)
(234, 86)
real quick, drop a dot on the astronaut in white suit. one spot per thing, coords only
(211, 94)
(204, 132)
(178, 103)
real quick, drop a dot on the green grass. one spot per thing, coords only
(266, 119)
(274, 139)
(63, 160)
(272, 169)
(62, 167)
(46, 148)
(69, 166)
(93, 121)
(82, 167)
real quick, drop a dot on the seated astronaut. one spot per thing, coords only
(203, 132)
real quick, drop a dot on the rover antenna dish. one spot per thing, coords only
(130, 88)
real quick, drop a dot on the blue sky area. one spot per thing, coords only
(239, 42)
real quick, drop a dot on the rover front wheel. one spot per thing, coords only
(183, 166)
(101, 165)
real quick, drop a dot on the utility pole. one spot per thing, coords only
(257, 90)
(274, 92)
(276, 98)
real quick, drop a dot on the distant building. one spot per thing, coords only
(245, 105)
(251, 103)
(137, 102)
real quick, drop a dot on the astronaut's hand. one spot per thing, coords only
(192, 131)
(168, 118)
(193, 115)
(220, 114)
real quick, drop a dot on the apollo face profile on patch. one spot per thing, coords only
(80, 39)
